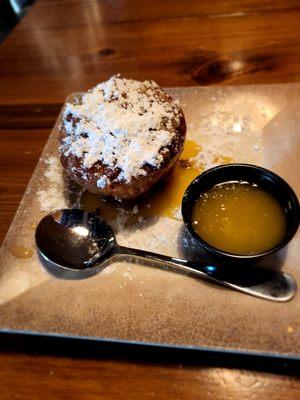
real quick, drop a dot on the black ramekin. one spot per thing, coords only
(252, 174)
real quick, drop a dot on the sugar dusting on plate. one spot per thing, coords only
(52, 196)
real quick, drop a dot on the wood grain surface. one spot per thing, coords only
(63, 46)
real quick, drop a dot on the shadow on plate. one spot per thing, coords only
(239, 273)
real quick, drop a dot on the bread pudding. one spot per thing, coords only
(119, 138)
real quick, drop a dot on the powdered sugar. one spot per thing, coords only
(103, 181)
(52, 196)
(122, 123)
(227, 136)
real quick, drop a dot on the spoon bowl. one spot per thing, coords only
(74, 239)
(82, 242)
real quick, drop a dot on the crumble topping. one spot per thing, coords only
(103, 181)
(122, 123)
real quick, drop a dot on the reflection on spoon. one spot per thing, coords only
(79, 241)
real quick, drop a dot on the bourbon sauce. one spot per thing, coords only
(239, 218)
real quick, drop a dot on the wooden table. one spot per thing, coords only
(63, 46)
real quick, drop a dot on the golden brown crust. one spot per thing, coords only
(87, 177)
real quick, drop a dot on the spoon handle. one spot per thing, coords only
(263, 283)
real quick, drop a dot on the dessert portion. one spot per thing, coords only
(121, 137)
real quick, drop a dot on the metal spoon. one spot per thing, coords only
(82, 241)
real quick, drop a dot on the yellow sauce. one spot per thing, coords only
(223, 160)
(167, 195)
(239, 218)
(21, 252)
